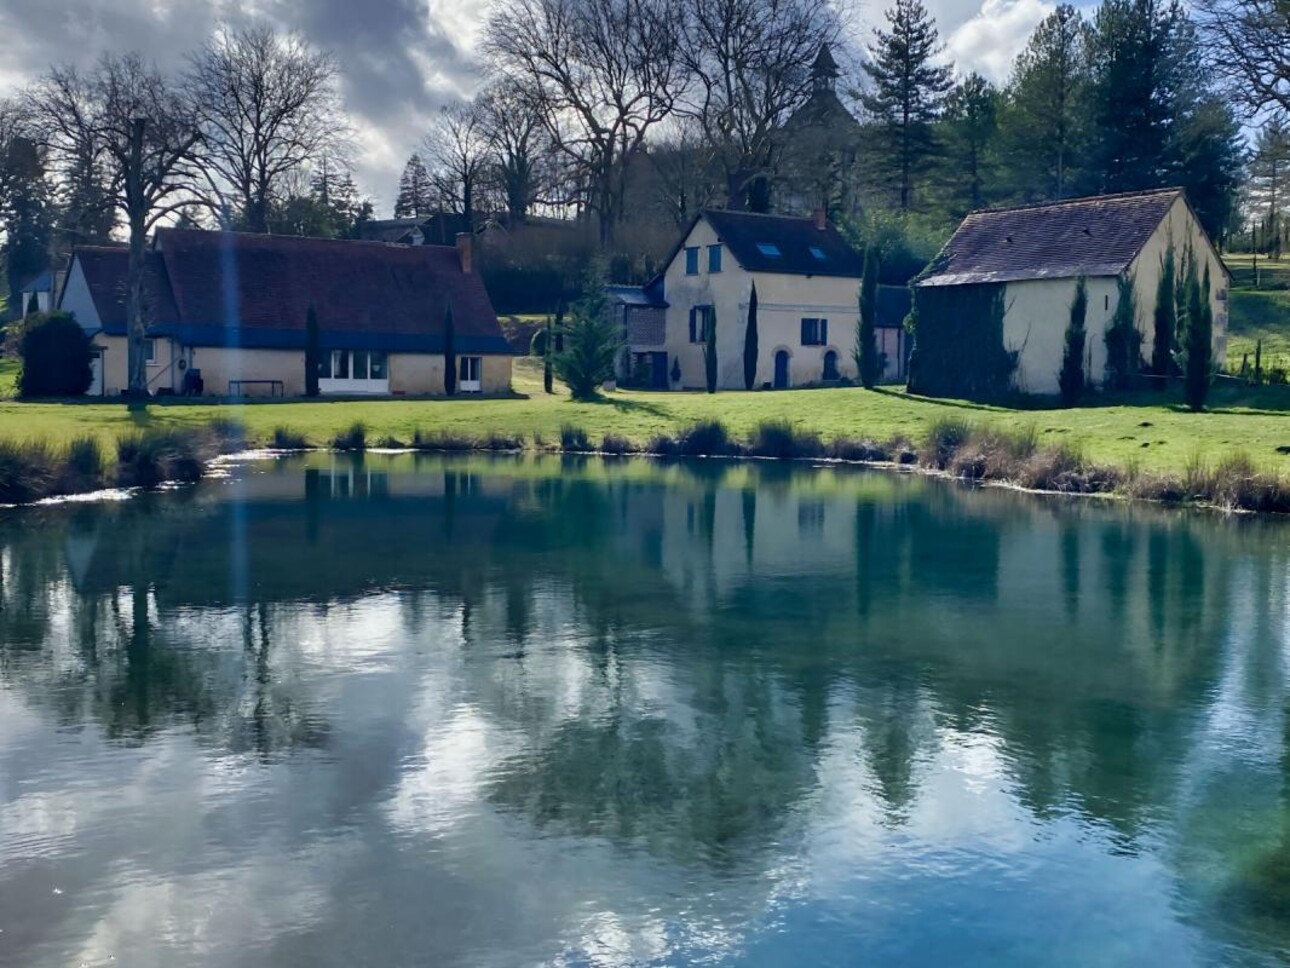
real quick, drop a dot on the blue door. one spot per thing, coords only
(781, 369)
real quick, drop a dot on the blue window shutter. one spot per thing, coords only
(692, 310)
(824, 332)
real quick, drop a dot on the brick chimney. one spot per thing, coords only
(466, 251)
(821, 219)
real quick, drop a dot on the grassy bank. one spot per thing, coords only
(1149, 447)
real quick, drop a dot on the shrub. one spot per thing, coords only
(662, 445)
(943, 440)
(390, 442)
(705, 439)
(778, 439)
(592, 341)
(499, 441)
(285, 439)
(355, 438)
(442, 440)
(616, 444)
(56, 357)
(83, 466)
(574, 439)
(864, 451)
(26, 472)
(148, 459)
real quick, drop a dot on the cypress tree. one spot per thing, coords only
(1123, 340)
(548, 351)
(908, 90)
(710, 349)
(1166, 317)
(449, 352)
(1200, 335)
(750, 342)
(1071, 379)
(33, 305)
(867, 361)
(313, 355)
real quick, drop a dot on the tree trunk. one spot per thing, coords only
(136, 213)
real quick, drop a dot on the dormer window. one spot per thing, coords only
(768, 249)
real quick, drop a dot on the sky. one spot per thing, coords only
(400, 59)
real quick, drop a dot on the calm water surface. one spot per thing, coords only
(419, 711)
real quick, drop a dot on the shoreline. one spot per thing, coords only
(951, 451)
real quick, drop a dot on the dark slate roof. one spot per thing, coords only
(742, 232)
(229, 289)
(105, 268)
(390, 229)
(1097, 236)
(824, 65)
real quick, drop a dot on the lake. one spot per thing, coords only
(410, 710)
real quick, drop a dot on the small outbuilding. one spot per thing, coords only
(993, 306)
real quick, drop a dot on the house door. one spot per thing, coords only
(781, 369)
(96, 374)
(658, 371)
(468, 375)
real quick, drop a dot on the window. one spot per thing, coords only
(692, 260)
(714, 258)
(379, 366)
(340, 364)
(468, 380)
(699, 322)
(360, 365)
(768, 249)
(150, 350)
(818, 253)
(815, 332)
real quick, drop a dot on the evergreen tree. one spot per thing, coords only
(1269, 181)
(751, 342)
(592, 340)
(1123, 340)
(971, 125)
(1165, 317)
(1200, 334)
(868, 364)
(1071, 379)
(26, 216)
(415, 191)
(908, 91)
(710, 349)
(449, 352)
(33, 304)
(313, 352)
(1046, 116)
(548, 350)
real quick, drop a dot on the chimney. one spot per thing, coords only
(821, 219)
(466, 252)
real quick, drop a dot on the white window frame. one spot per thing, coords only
(349, 384)
(465, 383)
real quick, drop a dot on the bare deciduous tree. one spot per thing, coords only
(144, 130)
(268, 106)
(749, 61)
(1249, 43)
(518, 141)
(457, 153)
(604, 73)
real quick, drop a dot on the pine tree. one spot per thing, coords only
(751, 342)
(1269, 181)
(1071, 379)
(868, 364)
(1165, 318)
(971, 126)
(414, 199)
(908, 91)
(26, 215)
(1048, 105)
(592, 340)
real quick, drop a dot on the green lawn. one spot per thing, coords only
(1159, 435)
(1253, 316)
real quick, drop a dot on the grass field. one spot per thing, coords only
(1259, 316)
(1156, 435)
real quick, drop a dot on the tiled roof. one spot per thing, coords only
(224, 288)
(803, 249)
(1097, 236)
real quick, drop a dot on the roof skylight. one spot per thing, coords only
(818, 253)
(768, 249)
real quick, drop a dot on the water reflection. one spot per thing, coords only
(463, 711)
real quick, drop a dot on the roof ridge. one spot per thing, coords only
(1083, 199)
(782, 218)
(294, 239)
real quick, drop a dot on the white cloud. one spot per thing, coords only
(990, 41)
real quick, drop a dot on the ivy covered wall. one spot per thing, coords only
(958, 343)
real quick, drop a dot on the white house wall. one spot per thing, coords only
(76, 299)
(782, 299)
(1036, 311)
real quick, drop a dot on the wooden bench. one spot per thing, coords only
(236, 388)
